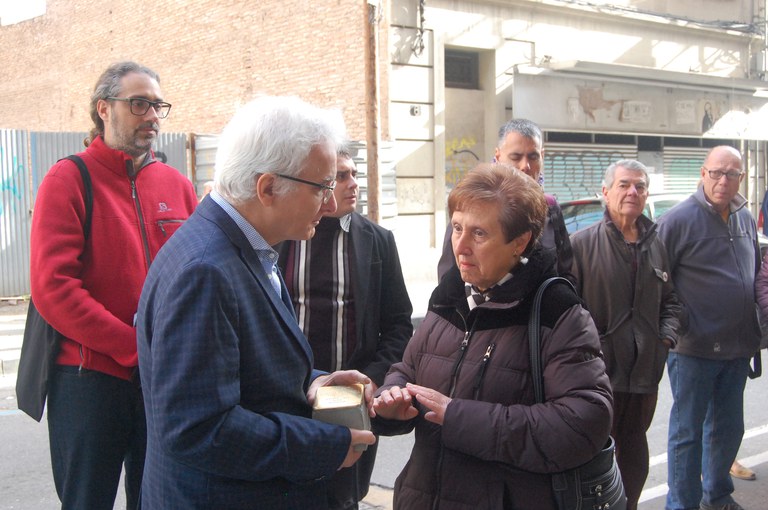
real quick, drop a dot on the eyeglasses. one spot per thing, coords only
(718, 174)
(141, 106)
(327, 188)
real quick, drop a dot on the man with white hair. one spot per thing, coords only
(622, 273)
(226, 370)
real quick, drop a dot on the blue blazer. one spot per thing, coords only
(225, 369)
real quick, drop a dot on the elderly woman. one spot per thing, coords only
(465, 383)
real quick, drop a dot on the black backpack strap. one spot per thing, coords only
(41, 341)
(86, 176)
(534, 332)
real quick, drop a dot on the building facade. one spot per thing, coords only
(432, 80)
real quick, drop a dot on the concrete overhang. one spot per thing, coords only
(649, 76)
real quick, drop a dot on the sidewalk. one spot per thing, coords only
(13, 313)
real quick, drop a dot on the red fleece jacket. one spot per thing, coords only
(89, 291)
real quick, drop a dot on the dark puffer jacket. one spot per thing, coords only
(496, 447)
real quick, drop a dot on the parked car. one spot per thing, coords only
(583, 212)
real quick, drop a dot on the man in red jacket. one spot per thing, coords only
(88, 289)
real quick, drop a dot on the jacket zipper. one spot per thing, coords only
(457, 365)
(451, 391)
(481, 372)
(161, 224)
(142, 229)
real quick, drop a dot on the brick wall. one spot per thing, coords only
(211, 56)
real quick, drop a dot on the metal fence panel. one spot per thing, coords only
(25, 158)
(47, 148)
(174, 147)
(15, 217)
(204, 158)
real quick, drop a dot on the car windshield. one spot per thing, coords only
(578, 215)
(662, 206)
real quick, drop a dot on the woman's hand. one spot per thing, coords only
(433, 400)
(395, 404)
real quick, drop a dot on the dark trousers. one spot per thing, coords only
(350, 485)
(632, 416)
(96, 423)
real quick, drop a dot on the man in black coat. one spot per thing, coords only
(355, 315)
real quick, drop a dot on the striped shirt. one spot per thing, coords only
(319, 276)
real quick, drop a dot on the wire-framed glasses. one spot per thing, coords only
(327, 188)
(140, 106)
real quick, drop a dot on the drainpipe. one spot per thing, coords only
(372, 114)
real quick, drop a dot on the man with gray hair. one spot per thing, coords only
(226, 370)
(622, 273)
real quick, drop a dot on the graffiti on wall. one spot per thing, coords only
(576, 174)
(460, 157)
(9, 182)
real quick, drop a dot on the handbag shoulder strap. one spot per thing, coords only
(534, 332)
(86, 176)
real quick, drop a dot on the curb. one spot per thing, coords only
(378, 498)
(12, 319)
(9, 367)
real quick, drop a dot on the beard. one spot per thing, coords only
(132, 141)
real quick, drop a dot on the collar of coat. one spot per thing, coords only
(737, 202)
(523, 284)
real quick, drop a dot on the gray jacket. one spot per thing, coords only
(713, 268)
(632, 316)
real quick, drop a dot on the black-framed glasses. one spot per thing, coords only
(327, 188)
(140, 106)
(718, 174)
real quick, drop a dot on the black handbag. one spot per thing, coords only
(596, 484)
(41, 341)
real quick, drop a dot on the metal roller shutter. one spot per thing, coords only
(682, 168)
(574, 171)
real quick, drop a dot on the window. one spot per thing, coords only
(461, 69)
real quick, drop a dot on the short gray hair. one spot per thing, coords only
(271, 134)
(525, 127)
(108, 85)
(629, 164)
